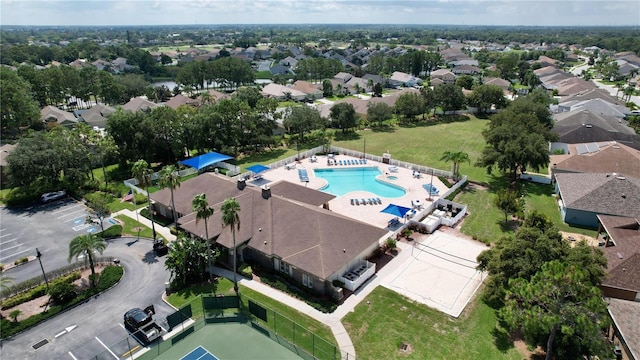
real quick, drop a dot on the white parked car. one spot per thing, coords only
(51, 196)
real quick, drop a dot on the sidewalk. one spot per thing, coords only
(164, 231)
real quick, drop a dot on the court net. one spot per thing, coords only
(423, 248)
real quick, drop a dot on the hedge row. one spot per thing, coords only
(111, 232)
(275, 281)
(37, 291)
(110, 276)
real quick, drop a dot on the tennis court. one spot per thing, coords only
(441, 273)
(228, 341)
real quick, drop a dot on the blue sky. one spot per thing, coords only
(459, 12)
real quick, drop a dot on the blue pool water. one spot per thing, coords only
(342, 181)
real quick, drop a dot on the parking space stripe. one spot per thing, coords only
(10, 247)
(19, 252)
(106, 347)
(8, 241)
(3, 235)
(75, 214)
(66, 209)
(75, 218)
(73, 357)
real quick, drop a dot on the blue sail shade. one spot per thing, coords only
(205, 160)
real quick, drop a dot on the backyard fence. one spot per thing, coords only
(53, 274)
(133, 182)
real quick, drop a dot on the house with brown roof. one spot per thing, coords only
(281, 92)
(96, 117)
(286, 228)
(502, 83)
(51, 114)
(312, 90)
(608, 157)
(139, 103)
(466, 70)
(445, 75)
(215, 95)
(624, 332)
(180, 100)
(621, 247)
(584, 196)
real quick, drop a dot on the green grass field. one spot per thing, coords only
(130, 227)
(424, 144)
(384, 320)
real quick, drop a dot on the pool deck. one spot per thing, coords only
(369, 214)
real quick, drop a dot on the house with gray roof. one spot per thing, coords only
(624, 332)
(583, 117)
(51, 114)
(445, 75)
(96, 117)
(399, 78)
(139, 103)
(584, 196)
(597, 106)
(286, 228)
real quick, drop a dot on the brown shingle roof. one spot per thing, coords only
(626, 316)
(180, 99)
(304, 235)
(139, 103)
(622, 251)
(612, 158)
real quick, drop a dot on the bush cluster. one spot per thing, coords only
(110, 276)
(321, 304)
(246, 270)
(111, 232)
(38, 291)
(21, 260)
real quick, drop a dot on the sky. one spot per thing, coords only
(422, 12)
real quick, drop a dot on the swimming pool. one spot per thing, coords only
(342, 181)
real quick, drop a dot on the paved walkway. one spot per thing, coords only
(333, 320)
(164, 231)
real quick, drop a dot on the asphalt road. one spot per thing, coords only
(94, 326)
(48, 227)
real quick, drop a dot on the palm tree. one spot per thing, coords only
(456, 157)
(169, 178)
(206, 98)
(5, 281)
(87, 245)
(142, 173)
(201, 206)
(230, 218)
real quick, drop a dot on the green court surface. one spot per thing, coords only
(231, 341)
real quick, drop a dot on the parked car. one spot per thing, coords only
(51, 196)
(142, 325)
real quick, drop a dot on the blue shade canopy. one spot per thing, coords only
(396, 210)
(257, 168)
(205, 160)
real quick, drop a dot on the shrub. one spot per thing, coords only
(392, 243)
(109, 276)
(14, 314)
(173, 230)
(140, 198)
(1, 267)
(62, 293)
(22, 260)
(111, 232)
(37, 291)
(245, 270)
(445, 181)
(337, 283)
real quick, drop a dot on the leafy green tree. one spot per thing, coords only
(456, 157)
(87, 245)
(169, 178)
(377, 112)
(203, 212)
(562, 303)
(250, 95)
(507, 65)
(62, 292)
(465, 81)
(5, 281)
(187, 259)
(343, 116)
(142, 173)
(99, 209)
(14, 314)
(449, 97)
(377, 90)
(484, 96)
(301, 119)
(409, 105)
(19, 110)
(230, 218)
(518, 138)
(507, 201)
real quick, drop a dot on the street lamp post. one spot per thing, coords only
(44, 275)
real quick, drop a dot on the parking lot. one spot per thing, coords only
(47, 227)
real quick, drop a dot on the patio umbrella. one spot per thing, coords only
(396, 210)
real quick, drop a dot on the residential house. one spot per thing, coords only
(583, 196)
(463, 62)
(587, 133)
(343, 77)
(445, 75)
(597, 106)
(621, 247)
(138, 104)
(280, 70)
(5, 150)
(281, 92)
(180, 100)
(603, 157)
(466, 70)
(215, 95)
(358, 85)
(583, 117)
(51, 114)
(593, 94)
(286, 228)
(377, 79)
(502, 83)
(96, 117)
(624, 332)
(573, 86)
(399, 78)
(289, 62)
(546, 61)
(312, 90)
(625, 68)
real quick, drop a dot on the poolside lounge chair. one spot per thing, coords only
(364, 202)
(349, 162)
(372, 201)
(356, 201)
(393, 169)
(339, 162)
(352, 202)
(379, 201)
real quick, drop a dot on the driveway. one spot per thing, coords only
(48, 227)
(95, 327)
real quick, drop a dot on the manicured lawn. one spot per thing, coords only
(424, 144)
(130, 224)
(225, 286)
(384, 320)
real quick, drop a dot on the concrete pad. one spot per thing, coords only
(441, 273)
